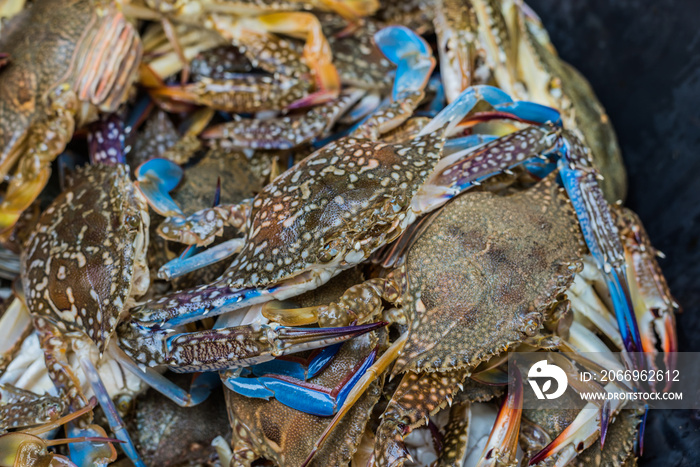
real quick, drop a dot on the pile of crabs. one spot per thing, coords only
(336, 217)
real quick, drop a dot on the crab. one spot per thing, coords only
(456, 280)
(288, 70)
(381, 51)
(46, 89)
(503, 43)
(157, 177)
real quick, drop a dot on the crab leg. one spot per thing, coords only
(502, 444)
(600, 233)
(248, 92)
(317, 52)
(287, 132)
(457, 435)
(180, 266)
(414, 61)
(115, 422)
(359, 303)
(305, 397)
(417, 398)
(464, 103)
(654, 304)
(227, 348)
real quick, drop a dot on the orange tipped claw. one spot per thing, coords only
(317, 51)
(502, 444)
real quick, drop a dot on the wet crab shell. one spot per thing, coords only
(481, 277)
(86, 257)
(333, 209)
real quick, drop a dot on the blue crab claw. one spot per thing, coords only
(465, 102)
(116, 424)
(296, 367)
(531, 112)
(155, 179)
(300, 395)
(98, 452)
(410, 53)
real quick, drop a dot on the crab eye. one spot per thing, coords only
(124, 404)
(329, 251)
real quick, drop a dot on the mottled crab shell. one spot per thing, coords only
(482, 275)
(356, 56)
(333, 209)
(86, 257)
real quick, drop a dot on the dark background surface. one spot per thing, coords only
(643, 59)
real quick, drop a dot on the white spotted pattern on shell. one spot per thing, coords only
(87, 251)
(338, 205)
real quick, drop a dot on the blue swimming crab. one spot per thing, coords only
(292, 77)
(157, 177)
(81, 269)
(67, 59)
(392, 51)
(504, 43)
(467, 292)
